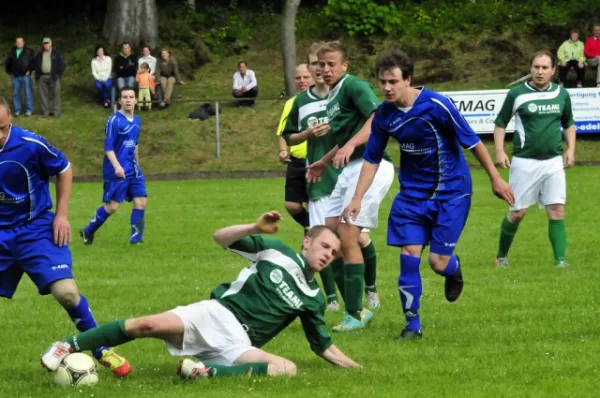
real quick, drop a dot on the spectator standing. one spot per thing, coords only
(570, 55)
(125, 67)
(592, 50)
(245, 84)
(49, 67)
(146, 85)
(19, 64)
(150, 60)
(167, 73)
(101, 70)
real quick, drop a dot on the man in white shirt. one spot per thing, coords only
(245, 84)
(150, 60)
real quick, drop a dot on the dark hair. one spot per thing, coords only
(395, 58)
(242, 62)
(98, 47)
(318, 230)
(332, 47)
(126, 88)
(574, 30)
(128, 43)
(543, 53)
(145, 65)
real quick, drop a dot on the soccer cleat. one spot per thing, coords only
(410, 335)
(113, 361)
(562, 264)
(350, 323)
(53, 356)
(189, 369)
(334, 306)
(372, 299)
(454, 284)
(88, 239)
(502, 262)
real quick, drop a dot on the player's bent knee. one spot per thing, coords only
(412, 250)
(364, 239)
(282, 368)
(111, 207)
(515, 217)
(140, 203)
(65, 292)
(141, 327)
(556, 211)
(293, 207)
(438, 262)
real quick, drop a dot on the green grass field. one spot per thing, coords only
(530, 330)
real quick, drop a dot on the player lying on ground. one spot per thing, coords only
(226, 332)
(33, 240)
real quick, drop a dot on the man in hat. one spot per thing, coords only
(49, 67)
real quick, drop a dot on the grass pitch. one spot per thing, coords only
(530, 330)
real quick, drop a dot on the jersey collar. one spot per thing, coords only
(305, 268)
(533, 88)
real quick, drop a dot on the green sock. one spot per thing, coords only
(354, 278)
(558, 238)
(109, 334)
(507, 234)
(370, 256)
(249, 369)
(337, 269)
(329, 283)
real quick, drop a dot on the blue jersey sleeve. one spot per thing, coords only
(378, 140)
(455, 123)
(111, 131)
(49, 159)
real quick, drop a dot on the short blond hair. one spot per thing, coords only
(4, 104)
(334, 47)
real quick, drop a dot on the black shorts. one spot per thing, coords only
(295, 181)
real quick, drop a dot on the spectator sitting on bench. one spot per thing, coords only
(145, 86)
(592, 50)
(150, 60)
(167, 73)
(244, 84)
(125, 67)
(570, 56)
(101, 70)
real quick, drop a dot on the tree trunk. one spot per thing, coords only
(191, 4)
(135, 21)
(288, 44)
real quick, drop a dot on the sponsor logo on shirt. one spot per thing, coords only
(129, 143)
(276, 276)
(288, 295)
(313, 120)
(333, 111)
(61, 266)
(410, 147)
(544, 109)
(6, 198)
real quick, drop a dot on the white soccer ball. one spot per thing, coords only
(77, 369)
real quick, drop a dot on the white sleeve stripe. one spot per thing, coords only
(446, 109)
(109, 123)
(42, 144)
(65, 169)
(473, 146)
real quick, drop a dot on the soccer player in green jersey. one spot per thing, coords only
(537, 174)
(351, 104)
(226, 332)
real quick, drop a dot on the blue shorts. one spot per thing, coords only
(125, 189)
(428, 222)
(29, 248)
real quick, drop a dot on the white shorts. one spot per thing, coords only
(212, 333)
(318, 208)
(541, 181)
(346, 185)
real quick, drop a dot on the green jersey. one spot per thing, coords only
(307, 109)
(539, 115)
(268, 295)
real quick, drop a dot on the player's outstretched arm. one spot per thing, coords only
(335, 356)
(266, 224)
(500, 187)
(62, 228)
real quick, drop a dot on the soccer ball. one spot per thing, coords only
(77, 369)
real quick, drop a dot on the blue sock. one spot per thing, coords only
(137, 225)
(451, 268)
(83, 319)
(410, 288)
(96, 222)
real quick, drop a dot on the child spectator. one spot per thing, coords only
(146, 85)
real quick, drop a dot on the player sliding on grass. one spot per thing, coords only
(226, 332)
(123, 178)
(33, 240)
(537, 172)
(435, 182)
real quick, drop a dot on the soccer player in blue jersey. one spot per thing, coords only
(33, 240)
(435, 182)
(123, 178)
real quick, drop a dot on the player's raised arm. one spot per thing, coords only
(266, 223)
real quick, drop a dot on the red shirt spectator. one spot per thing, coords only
(592, 44)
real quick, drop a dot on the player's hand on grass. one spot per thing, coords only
(502, 160)
(569, 158)
(62, 231)
(315, 171)
(267, 223)
(284, 157)
(351, 211)
(119, 172)
(342, 157)
(503, 190)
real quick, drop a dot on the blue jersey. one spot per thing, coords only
(430, 134)
(27, 162)
(122, 136)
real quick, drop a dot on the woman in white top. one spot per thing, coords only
(101, 70)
